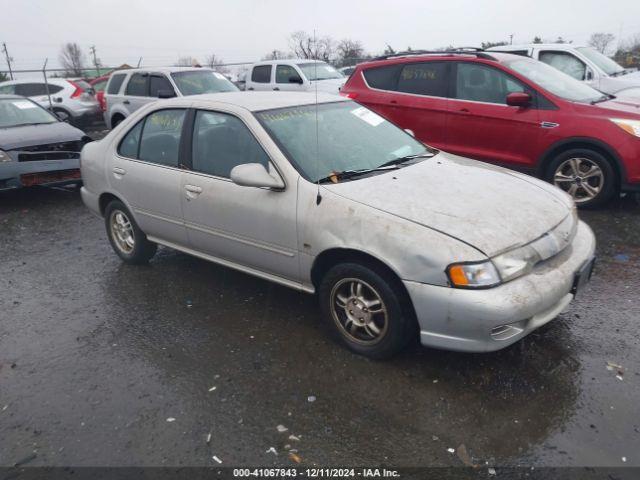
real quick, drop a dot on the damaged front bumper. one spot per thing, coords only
(491, 319)
(47, 172)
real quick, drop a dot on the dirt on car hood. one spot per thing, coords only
(488, 207)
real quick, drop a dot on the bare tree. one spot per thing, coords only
(277, 55)
(601, 41)
(72, 59)
(628, 52)
(215, 63)
(500, 43)
(537, 39)
(349, 52)
(304, 45)
(187, 61)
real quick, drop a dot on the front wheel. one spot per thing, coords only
(126, 238)
(584, 174)
(366, 311)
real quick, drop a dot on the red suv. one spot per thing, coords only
(509, 110)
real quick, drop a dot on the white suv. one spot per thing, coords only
(294, 76)
(71, 100)
(582, 63)
(129, 90)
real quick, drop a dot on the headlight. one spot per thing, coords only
(516, 262)
(4, 157)
(473, 275)
(629, 126)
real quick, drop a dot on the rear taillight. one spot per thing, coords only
(350, 95)
(79, 91)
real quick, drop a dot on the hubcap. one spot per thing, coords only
(581, 178)
(122, 231)
(358, 311)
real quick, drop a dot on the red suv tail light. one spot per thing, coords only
(350, 95)
(79, 91)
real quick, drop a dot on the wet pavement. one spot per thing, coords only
(96, 356)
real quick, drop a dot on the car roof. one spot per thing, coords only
(163, 69)
(256, 101)
(296, 61)
(4, 96)
(556, 46)
(479, 56)
(52, 81)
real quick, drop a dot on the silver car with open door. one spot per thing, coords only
(399, 241)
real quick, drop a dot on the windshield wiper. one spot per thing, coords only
(407, 158)
(603, 98)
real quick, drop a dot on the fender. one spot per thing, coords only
(581, 142)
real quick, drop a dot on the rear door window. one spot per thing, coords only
(383, 78)
(115, 83)
(428, 78)
(137, 85)
(480, 83)
(31, 89)
(157, 83)
(160, 140)
(8, 89)
(261, 74)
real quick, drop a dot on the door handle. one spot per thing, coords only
(126, 102)
(119, 171)
(276, 88)
(464, 110)
(250, 88)
(394, 102)
(192, 191)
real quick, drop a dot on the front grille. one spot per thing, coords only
(50, 151)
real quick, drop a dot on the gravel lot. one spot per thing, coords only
(97, 357)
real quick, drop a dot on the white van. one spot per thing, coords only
(582, 63)
(296, 75)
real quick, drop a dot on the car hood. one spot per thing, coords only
(328, 86)
(487, 207)
(28, 135)
(621, 105)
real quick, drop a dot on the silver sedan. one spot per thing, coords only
(398, 240)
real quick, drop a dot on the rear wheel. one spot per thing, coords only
(365, 310)
(116, 120)
(584, 174)
(126, 238)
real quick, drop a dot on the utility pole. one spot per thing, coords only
(9, 59)
(96, 63)
(511, 39)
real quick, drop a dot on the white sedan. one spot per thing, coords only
(399, 241)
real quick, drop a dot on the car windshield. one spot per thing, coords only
(20, 111)
(319, 71)
(195, 82)
(554, 81)
(607, 65)
(349, 137)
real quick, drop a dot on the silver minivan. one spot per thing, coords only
(128, 90)
(398, 240)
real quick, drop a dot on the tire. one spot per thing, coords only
(127, 240)
(568, 171)
(115, 121)
(356, 327)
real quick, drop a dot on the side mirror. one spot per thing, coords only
(255, 175)
(518, 99)
(588, 76)
(297, 80)
(166, 93)
(410, 132)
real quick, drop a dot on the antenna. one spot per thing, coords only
(315, 74)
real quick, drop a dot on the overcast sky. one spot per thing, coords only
(244, 30)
